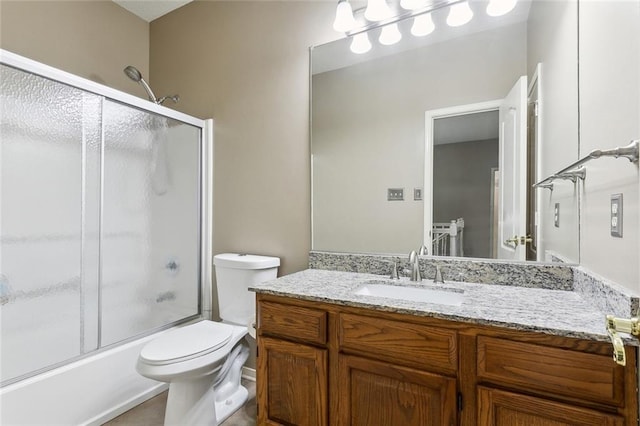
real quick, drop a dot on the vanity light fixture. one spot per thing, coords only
(390, 34)
(459, 14)
(360, 43)
(500, 7)
(380, 14)
(344, 17)
(422, 25)
(377, 10)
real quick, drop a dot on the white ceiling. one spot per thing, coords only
(151, 9)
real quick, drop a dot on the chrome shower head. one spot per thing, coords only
(135, 75)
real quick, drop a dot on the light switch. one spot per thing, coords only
(395, 194)
(556, 215)
(417, 194)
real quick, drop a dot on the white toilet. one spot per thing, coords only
(202, 362)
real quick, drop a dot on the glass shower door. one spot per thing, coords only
(99, 222)
(49, 136)
(150, 222)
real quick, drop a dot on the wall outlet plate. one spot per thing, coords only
(556, 215)
(417, 194)
(395, 194)
(616, 215)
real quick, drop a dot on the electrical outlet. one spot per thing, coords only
(395, 194)
(616, 215)
(556, 215)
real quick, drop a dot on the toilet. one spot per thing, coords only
(202, 362)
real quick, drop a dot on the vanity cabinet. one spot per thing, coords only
(521, 382)
(293, 368)
(327, 364)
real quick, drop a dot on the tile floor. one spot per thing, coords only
(151, 412)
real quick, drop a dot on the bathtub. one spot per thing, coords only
(90, 391)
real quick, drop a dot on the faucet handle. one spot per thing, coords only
(394, 272)
(438, 277)
(423, 251)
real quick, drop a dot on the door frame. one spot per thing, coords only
(429, 121)
(535, 87)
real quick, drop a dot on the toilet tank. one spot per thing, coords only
(234, 274)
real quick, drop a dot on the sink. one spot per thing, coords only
(413, 294)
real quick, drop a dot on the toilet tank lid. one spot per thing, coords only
(245, 261)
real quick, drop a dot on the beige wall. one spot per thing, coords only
(246, 64)
(553, 43)
(610, 117)
(94, 39)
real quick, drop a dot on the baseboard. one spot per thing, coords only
(114, 412)
(249, 374)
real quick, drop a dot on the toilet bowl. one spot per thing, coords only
(190, 359)
(202, 361)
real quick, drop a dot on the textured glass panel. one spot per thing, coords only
(41, 175)
(150, 222)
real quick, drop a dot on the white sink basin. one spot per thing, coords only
(414, 294)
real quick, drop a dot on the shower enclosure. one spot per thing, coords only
(104, 225)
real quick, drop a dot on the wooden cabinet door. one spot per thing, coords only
(292, 383)
(500, 408)
(375, 393)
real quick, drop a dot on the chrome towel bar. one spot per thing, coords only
(571, 172)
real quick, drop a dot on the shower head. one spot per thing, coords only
(135, 75)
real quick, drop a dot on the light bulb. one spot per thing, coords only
(412, 4)
(459, 14)
(422, 25)
(344, 17)
(360, 43)
(390, 35)
(500, 7)
(377, 10)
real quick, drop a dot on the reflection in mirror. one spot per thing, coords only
(463, 194)
(378, 120)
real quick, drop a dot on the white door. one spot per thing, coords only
(513, 172)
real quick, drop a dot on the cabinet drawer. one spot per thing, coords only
(399, 342)
(293, 322)
(562, 372)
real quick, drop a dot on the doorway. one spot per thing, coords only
(460, 153)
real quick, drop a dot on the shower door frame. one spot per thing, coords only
(205, 196)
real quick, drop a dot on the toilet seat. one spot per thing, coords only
(185, 343)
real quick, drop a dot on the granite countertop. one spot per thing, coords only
(557, 312)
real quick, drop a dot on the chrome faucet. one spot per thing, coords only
(437, 279)
(414, 261)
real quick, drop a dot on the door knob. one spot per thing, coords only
(515, 240)
(525, 240)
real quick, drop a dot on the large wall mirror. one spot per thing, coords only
(436, 140)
